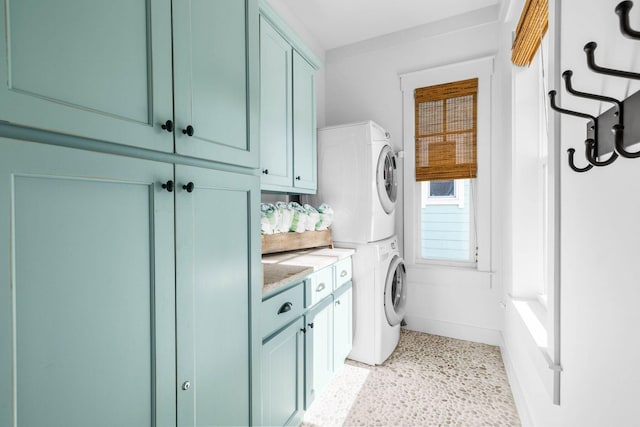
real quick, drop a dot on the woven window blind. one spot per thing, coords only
(532, 26)
(446, 131)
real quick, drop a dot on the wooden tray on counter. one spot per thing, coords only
(283, 242)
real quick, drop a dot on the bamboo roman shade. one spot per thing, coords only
(446, 129)
(532, 25)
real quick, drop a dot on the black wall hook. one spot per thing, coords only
(572, 165)
(590, 144)
(567, 83)
(618, 133)
(620, 118)
(622, 10)
(552, 102)
(554, 106)
(592, 155)
(589, 49)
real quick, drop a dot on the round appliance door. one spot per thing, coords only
(395, 291)
(387, 179)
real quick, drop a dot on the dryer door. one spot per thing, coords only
(387, 179)
(395, 291)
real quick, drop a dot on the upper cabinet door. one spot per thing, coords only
(275, 107)
(304, 124)
(215, 48)
(87, 69)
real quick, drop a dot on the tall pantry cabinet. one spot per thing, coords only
(129, 219)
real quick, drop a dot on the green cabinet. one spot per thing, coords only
(300, 357)
(304, 126)
(283, 376)
(288, 153)
(103, 70)
(215, 60)
(87, 317)
(214, 254)
(342, 324)
(318, 349)
(276, 154)
(99, 70)
(121, 292)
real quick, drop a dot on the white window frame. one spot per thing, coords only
(543, 178)
(482, 68)
(539, 305)
(456, 199)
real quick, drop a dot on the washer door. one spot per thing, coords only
(387, 179)
(395, 291)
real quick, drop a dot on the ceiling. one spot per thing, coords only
(336, 23)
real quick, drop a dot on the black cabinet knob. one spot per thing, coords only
(168, 126)
(310, 325)
(168, 186)
(189, 187)
(303, 330)
(188, 130)
(298, 178)
(265, 171)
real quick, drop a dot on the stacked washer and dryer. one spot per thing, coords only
(358, 178)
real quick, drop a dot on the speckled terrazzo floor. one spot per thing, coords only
(429, 380)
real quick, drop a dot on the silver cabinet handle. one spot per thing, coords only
(344, 273)
(320, 287)
(186, 385)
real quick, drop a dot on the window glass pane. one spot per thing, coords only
(447, 229)
(442, 189)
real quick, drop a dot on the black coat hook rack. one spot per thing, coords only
(610, 132)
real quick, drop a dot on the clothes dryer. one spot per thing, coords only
(358, 178)
(379, 299)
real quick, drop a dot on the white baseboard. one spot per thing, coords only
(516, 387)
(453, 330)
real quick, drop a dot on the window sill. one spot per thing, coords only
(433, 262)
(448, 275)
(533, 314)
(527, 335)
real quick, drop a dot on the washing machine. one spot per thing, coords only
(358, 179)
(379, 299)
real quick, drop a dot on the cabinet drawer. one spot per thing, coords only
(343, 272)
(319, 286)
(282, 308)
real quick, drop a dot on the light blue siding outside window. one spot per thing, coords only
(446, 233)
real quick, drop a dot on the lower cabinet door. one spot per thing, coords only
(318, 349)
(343, 325)
(217, 249)
(87, 291)
(283, 376)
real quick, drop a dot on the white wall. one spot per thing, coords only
(600, 268)
(362, 82)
